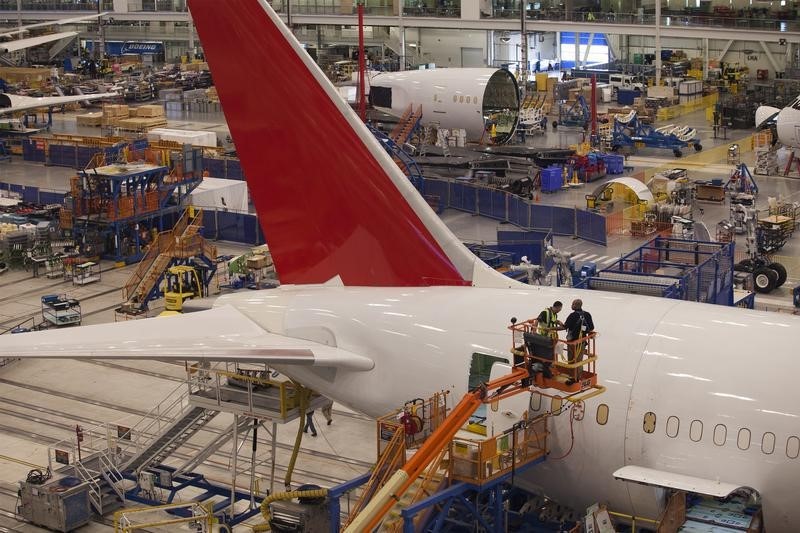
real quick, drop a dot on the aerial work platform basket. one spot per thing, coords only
(555, 363)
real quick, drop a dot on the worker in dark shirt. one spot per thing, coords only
(578, 324)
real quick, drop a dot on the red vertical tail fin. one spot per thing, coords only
(329, 199)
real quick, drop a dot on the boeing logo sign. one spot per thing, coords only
(132, 47)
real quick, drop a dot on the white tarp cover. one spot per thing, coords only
(639, 188)
(193, 137)
(220, 194)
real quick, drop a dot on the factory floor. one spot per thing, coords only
(41, 402)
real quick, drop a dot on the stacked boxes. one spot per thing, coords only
(90, 119)
(114, 113)
(148, 111)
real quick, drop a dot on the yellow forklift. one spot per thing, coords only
(181, 283)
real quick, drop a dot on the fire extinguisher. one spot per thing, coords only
(412, 422)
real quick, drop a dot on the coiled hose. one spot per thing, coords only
(290, 495)
(304, 395)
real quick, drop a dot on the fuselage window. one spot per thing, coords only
(460, 99)
(720, 434)
(649, 423)
(535, 403)
(696, 431)
(673, 426)
(555, 405)
(768, 443)
(743, 440)
(455, 98)
(602, 414)
(792, 447)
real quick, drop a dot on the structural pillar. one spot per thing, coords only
(705, 59)
(272, 456)
(191, 35)
(658, 42)
(234, 463)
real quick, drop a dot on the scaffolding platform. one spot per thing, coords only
(251, 395)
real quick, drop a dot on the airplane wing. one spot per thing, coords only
(218, 334)
(11, 103)
(60, 22)
(22, 44)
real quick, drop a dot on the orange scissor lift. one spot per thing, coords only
(400, 485)
(567, 366)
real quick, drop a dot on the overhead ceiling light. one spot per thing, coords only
(505, 37)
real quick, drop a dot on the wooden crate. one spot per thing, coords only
(142, 124)
(90, 119)
(116, 111)
(150, 111)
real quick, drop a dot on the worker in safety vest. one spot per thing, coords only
(548, 322)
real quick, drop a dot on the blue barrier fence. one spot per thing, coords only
(34, 195)
(223, 167)
(491, 203)
(499, 205)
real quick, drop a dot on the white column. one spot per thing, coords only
(705, 58)
(577, 49)
(658, 42)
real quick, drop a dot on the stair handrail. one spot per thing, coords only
(400, 123)
(113, 474)
(152, 424)
(389, 461)
(95, 494)
(158, 245)
(424, 489)
(153, 251)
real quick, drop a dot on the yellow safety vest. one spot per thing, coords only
(545, 329)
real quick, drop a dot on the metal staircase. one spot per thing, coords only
(105, 494)
(403, 160)
(427, 484)
(179, 244)
(407, 125)
(212, 447)
(175, 436)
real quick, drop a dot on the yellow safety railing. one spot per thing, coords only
(479, 461)
(125, 520)
(288, 393)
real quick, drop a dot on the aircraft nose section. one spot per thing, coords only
(764, 114)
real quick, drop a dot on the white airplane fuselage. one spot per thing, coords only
(734, 406)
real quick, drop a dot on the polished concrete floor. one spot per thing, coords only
(40, 402)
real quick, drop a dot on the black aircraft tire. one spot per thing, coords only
(781, 270)
(764, 280)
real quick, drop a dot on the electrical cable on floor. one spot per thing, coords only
(336, 452)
